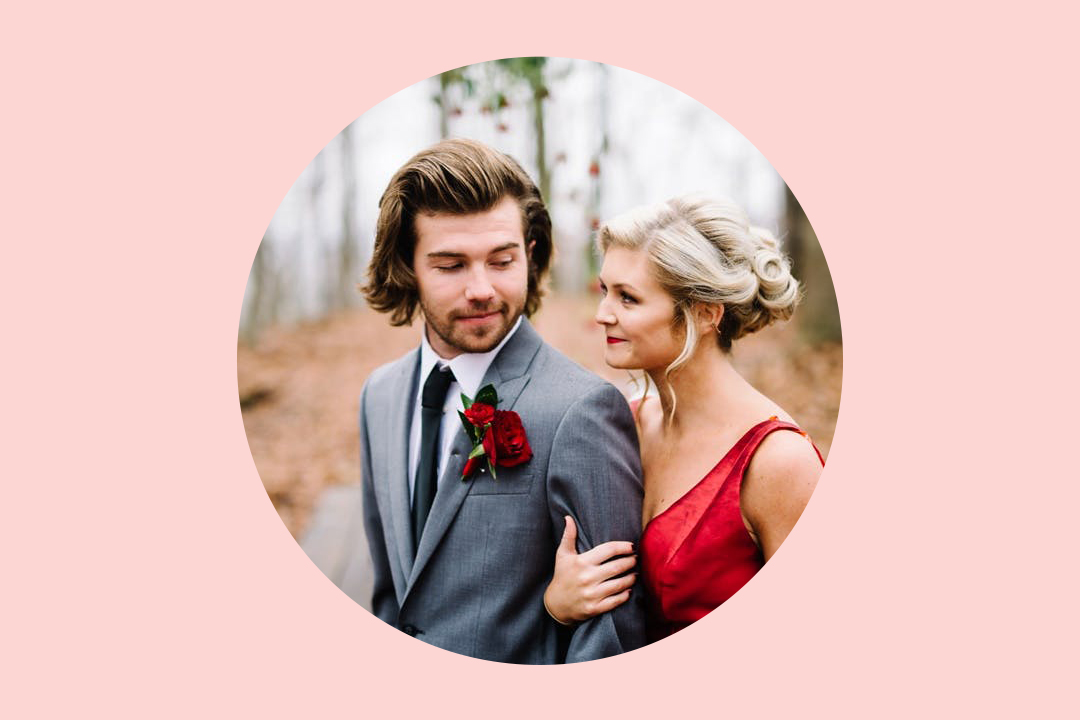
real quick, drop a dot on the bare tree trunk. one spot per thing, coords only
(262, 304)
(443, 99)
(542, 169)
(596, 194)
(316, 253)
(348, 265)
(818, 315)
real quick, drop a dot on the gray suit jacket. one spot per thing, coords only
(475, 584)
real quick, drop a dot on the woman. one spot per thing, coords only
(723, 488)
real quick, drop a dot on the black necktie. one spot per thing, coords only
(427, 470)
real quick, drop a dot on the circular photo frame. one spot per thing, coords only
(540, 360)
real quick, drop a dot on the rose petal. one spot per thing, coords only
(470, 466)
(489, 445)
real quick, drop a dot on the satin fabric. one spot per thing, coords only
(697, 553)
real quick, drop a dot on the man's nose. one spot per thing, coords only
(479, 288)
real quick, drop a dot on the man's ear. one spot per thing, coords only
(529, 249)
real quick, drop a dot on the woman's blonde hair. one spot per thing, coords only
(705, 252)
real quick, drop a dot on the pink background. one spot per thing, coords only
(144, 152)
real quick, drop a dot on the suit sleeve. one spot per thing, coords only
(594, 475)
(384, 599)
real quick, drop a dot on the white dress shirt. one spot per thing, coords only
(469, 370)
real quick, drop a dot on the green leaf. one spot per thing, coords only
(477, 451)
(466, 401)
(491, 469)
(471, 430)
(488, 396)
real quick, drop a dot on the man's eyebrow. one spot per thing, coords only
(452, 254)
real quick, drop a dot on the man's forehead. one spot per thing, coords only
(489, 229)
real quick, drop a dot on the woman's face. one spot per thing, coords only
(637, 314)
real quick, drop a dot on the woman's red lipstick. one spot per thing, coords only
(613, 340)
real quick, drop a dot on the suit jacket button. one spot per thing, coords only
(410, 630)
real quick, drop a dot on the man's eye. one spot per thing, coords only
(503, 263)
(448, 268)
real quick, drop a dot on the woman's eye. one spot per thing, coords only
(627, 299)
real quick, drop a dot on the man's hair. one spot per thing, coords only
(458, 177)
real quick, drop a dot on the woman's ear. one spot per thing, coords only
(708, 317)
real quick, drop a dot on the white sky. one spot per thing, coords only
(662, 143)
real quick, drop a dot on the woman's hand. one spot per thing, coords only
(586, 585)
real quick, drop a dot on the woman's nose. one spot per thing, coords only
(603, 315)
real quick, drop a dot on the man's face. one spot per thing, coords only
(472, 273)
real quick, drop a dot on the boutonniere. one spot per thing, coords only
(497, 435)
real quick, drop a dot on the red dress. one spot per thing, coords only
(697, 553)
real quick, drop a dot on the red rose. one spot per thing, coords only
(470, 465)
(480, 414)
(510, 442)
(489, 445)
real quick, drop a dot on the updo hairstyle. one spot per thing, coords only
(705, 251)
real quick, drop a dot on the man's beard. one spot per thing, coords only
(472, 340)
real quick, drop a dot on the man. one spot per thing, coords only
(462, 559)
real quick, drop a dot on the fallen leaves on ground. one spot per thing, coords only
(300, 389)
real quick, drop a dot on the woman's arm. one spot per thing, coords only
(777, 486)
(586, 585)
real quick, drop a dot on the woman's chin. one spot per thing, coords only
(614, 360)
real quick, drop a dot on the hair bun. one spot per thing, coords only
(778, 290)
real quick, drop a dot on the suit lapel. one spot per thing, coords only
(400, 421)
(508, 374)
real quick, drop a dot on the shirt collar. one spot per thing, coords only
(468, 368)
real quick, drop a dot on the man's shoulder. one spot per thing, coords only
(555, 367)
(384, 378)
(563, 381)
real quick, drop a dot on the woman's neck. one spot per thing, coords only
(704, 384)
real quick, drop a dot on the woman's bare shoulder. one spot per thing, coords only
(649, 416)
(782, 474)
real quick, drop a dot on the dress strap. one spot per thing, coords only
(758, 434)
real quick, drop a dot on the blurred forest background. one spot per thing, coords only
(598, 140)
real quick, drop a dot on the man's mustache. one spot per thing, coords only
(480, 310)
